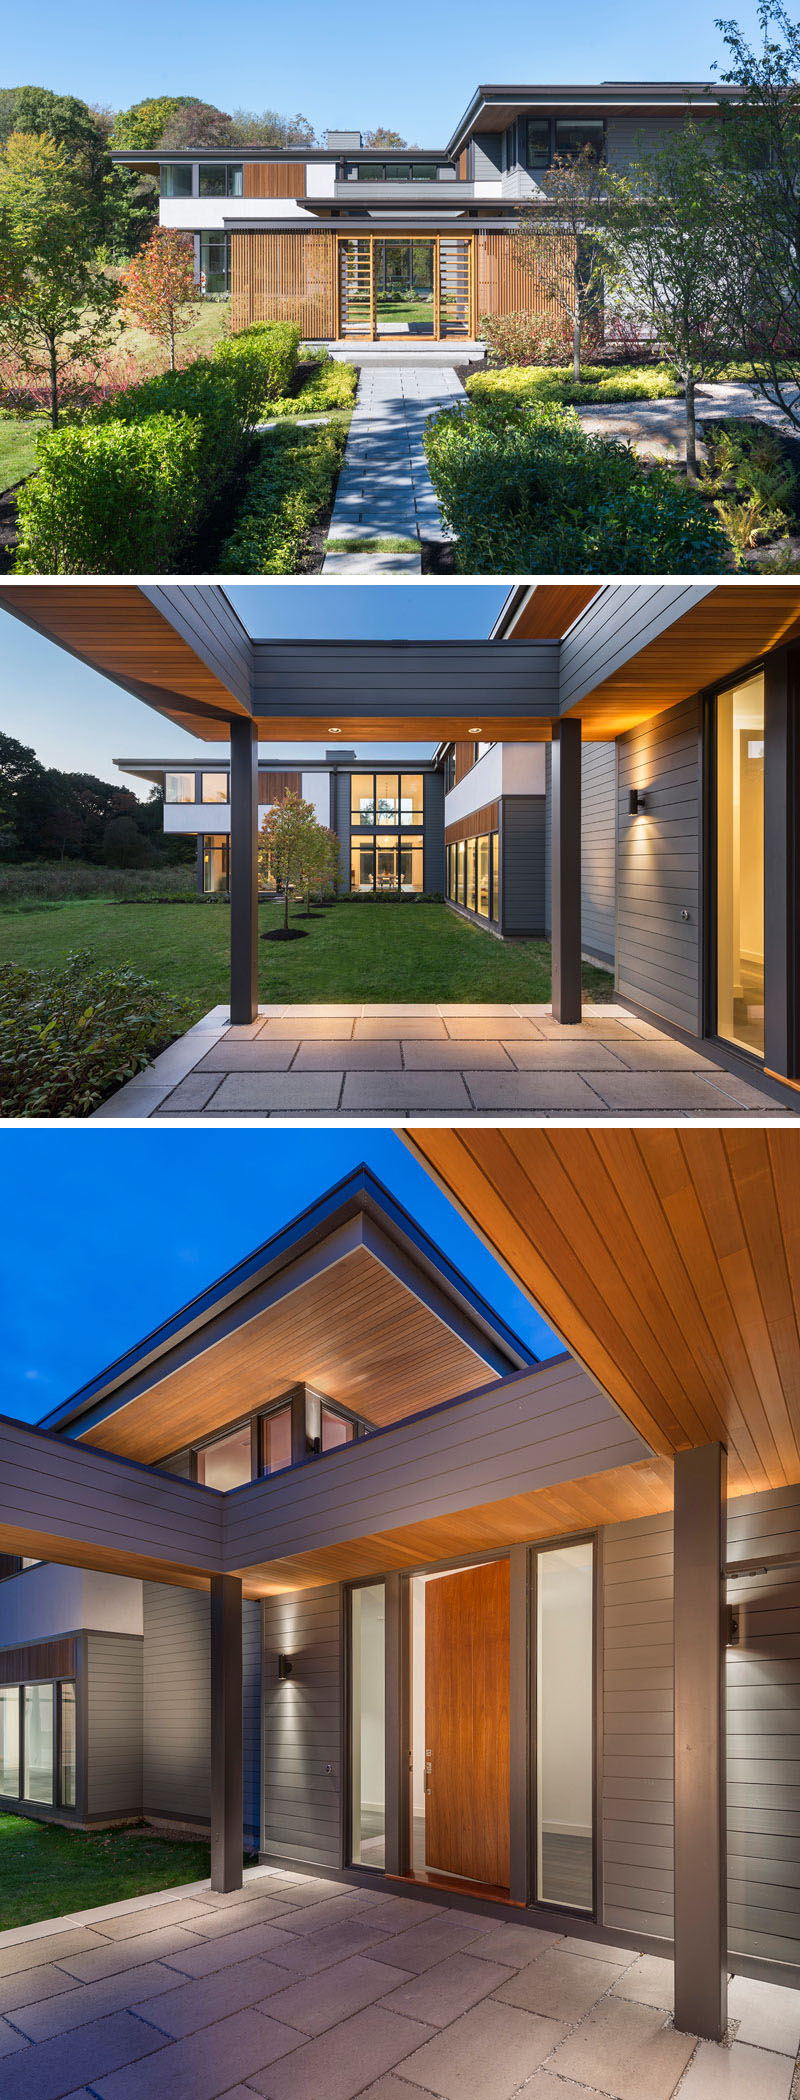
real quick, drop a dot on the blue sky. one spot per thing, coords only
(414, 69)
(82, 722)
(111, 1231)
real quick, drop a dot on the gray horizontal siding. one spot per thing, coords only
(204, 618)
(177, 1748)
(251, 1721)
(523, 864)
(763, 1730)
(302, 1804)
(114, 1725)
(627, 138)
(436, 679)
(619, 622)
(598, 850)
(637, 1727)
(658, 867)
(71, 1498)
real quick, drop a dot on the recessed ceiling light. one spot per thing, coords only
(475, 730)
(334, 732)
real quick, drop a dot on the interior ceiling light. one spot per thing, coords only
(475, 729)
(334, 732)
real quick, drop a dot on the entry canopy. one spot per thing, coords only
(612, 655)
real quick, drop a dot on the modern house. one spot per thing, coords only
(359, 244)
(332, 1564)
(668, 718)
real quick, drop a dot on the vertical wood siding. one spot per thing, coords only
(302, 1728)
(274, 178)
(658, 867)
(284, 277)
(505, 286)
(114, 1725)
(637, 1785)
(763, 1732)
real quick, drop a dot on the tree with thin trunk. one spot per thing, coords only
(665, 252)
(157, 290)
(57, 302)
(761, 155)
(558, 241)
(283, 844)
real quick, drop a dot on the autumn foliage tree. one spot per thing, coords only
(158, 285)
(57, 303)
(287, 845)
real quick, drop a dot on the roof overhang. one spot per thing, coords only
(493, 107)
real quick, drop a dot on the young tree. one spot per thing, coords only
(283, 844)
(574, 213)
(158, 285)
(57, 304)
(312, 860)
(761, 151)
(332, 863)
(666, 255)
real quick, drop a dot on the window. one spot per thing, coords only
(67, 1754)
(39, 1775)
(450, 770)
(214, 787)
(471, 880)
(483, 878)
(573, 138)
(496, 876)
(176, 179)
(9, 1741)
(362, 867)
(411, 798)
(411, 876)
(386, 864)
(215, 865)
(480, 752)
(740, 865)
(368, 1725)
(277, 1440)
(564, 1725)
(461, 862)
(218, 179)
(391, 171)
(227, 1463)
(386, 809)
(180, 787)
(537, 142)
(334, 1430)
(362, 800)
(215, 263)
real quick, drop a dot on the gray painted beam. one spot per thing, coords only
(226, 1733)
(565, 884)
(244, 872)
(701, 1926)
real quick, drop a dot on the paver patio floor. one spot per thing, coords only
(440, 1061)
(305, 1989)
(384, 489)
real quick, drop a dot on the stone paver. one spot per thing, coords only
(766, 2013)
(338, 2064)
(450, 1059)
(657, 429)
(737, 2073)
(627, 2050)
(564, 1986)
(485, 2055)
(384, 489)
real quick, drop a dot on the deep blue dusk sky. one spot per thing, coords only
(104, 1233)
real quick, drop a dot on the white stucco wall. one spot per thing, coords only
(41, 1603)
(508, 769)
(192, 817)
(316, 788)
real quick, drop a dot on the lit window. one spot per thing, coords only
(277, 1447)
(362, 800)
(38, 1743)
(335, 1430)
(67, 1746)
(180, 787)
(411, 798)
(215, 787)
(227, 1463)
(386, 809)
(9, 1741)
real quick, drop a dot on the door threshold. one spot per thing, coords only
(457, 1886)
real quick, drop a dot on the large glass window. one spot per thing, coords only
(362, 800)
(334, 1430)
(386, 804)
(227, 1463)
(9, 1741)
(368, 1726)
(471, 875)
(740, 865)
(564, 1725)
(496, 876)
(537, 142)
(38, 1743)
(67, 1746)
(215, 864)
(176, 179)
(215, 787)
(220, 179)
(277, 1440)
(573, 137)
(215, 262)
(460, 870)
(411, 877)
(362, 867)
(386, 864)
(483, 878)
(180, 787)
(411, 798)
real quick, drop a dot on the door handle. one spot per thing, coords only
(427, 1776)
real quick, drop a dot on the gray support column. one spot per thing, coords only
(781, 914)
(520, 1869)
(226, 1732)
(398, 1724)
(701, 1990)
(244, 871)
(565, 862)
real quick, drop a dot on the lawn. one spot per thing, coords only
(47, 1871)
(18, 435)
(371, 952)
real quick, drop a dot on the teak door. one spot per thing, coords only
(467, 1735)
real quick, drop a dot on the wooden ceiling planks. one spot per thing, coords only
(729, 628)
(669, 1262)
(550, 609)
(115, 630)
(355, 1333)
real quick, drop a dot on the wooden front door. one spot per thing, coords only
(467, 1738)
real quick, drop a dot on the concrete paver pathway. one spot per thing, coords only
(385, 490)
(657, 429)
(438, 1060)
(312, 1989)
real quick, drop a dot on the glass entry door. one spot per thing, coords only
(740, 865)
(404, 296)
(401, 284)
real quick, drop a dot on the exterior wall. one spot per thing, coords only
(251, 1721)
(275, 178)
(288, 276)
(636, 1795)
(433, 870)
(113, 1726)
(658, 867)
(41, 1603)
(506, 769)
(302, 1782)
(192, 818)
(522, 857)
(504, 286)
(176, 1758)
(598, 850)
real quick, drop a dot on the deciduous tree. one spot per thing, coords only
(196, 123)
(57, 303)
(761, 220)
(284, 844)
(571, 219)
(157, 289)
(250, 127)
(383, 136)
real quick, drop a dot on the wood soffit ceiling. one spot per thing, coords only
(115, 630)
(355, 1332)
(713, 640)
(669, 1263)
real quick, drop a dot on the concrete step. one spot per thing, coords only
(431, 356)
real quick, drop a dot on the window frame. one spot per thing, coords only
(25, 1801)
(580, 123)
(539, 1547)
(709, 849)
(215, 773)
(371, 1582)
(538, 166)
(180, 801)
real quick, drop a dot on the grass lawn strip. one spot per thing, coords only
(47, 1871)
(18, 435)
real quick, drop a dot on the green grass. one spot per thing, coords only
(47, 1871)
(374, 952)
(528, 383)
(18, 435)
(370, 546)
(206, 327)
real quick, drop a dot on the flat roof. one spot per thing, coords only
(506, 99)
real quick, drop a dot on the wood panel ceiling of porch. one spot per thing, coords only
(669, 1263)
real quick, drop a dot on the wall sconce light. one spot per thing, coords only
(285, 1666)
(637, 803)
(733, 1629)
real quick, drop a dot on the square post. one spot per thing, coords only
(701, 1936)
(226, 1733)
(244, 871)
(565, 870)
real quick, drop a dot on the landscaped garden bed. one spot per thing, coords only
(47, 1871)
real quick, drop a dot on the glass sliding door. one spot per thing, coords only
(67, 1758)
(565, 1725)
(740, 865)
(9, 1741)
(368, 1725)
(38, 1742)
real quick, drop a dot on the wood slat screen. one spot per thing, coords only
(274, 178)
(465, 760)
(273, 786)
(284, 277)
(462, 165)
(506, 287)
(473, 826)
(37, 1661)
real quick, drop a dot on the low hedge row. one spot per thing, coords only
(128, 491)
(326, 387)
(526, 384)
(525, 491)
(291, 485)
(69, 1037)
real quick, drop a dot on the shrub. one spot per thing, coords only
(328, 385)
(219, 400)
(292, 483)
(114, 499)
(70, 1036)
(39, 882)
(753, 481)
(525, 492)
(528, 384)
(265, 357)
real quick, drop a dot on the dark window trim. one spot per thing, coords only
(578, 1538)
(365, 1582)
(23, 1800)
(709, 956)
(256, 1417)
(228, 166)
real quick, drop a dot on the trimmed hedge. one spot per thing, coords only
(69, 1037)
(292, 483)
(527, 384)
(129, 490)
(327, 386)
(525, 492)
